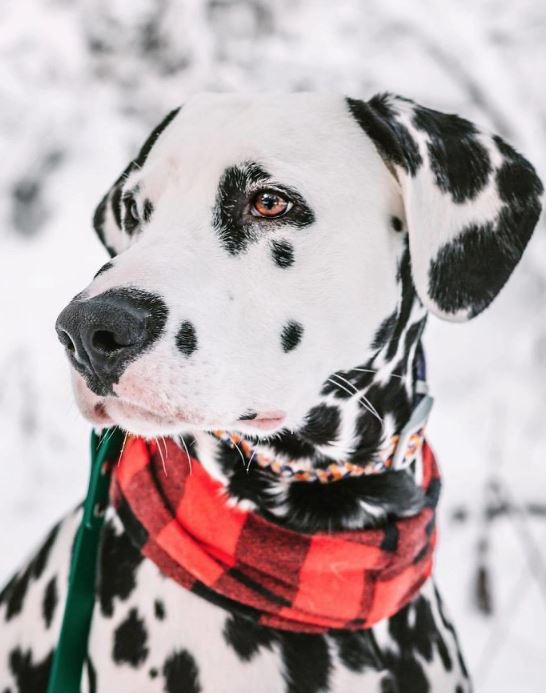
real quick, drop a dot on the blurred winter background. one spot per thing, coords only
(82, 83)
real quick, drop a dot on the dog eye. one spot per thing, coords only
(132, 215)
(131, 209)
(269, 204)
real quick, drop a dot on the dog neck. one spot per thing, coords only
(359, 412)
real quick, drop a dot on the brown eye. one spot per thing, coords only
(270, 204)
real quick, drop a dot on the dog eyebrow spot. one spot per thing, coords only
(291, 335)
(231, 217)
(186, 338)
(230, 204)
(282, 252)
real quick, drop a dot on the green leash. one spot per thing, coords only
(71, 650)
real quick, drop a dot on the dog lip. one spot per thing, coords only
(132, 410)
(266, 420)
(251, 415)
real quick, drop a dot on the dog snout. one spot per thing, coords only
(104, 334)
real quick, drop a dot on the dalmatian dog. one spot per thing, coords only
(274, 259)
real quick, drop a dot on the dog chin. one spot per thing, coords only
(105, 412)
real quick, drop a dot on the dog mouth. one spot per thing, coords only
(136, 418)
(263, 420)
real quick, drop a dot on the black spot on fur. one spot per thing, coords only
(392, 139)
(99, 219)
(357, 650)
(130, 641)
(468, 272)
(414, 630)
(289, 444)
(306, 662)
(181, 673)
(314, 506)
(40, 560)
(107, 266)
(291, 335)
(516, 179)
(148, 210)
(235, 225)
(13, 595)
(186, 338)
(396, 224)
(449, 626)
(409, 297)
(321, 424)
(117, 551)
(384, 332)
(152, 138)
(91, 675)
(283, 253)
(246, 637)
(114, 197)
(30, 676)
(49, 601)
(460, 163)
(388, 684)
(159, 609)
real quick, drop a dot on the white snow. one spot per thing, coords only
(82, 83)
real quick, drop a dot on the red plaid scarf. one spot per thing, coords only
(181, 520)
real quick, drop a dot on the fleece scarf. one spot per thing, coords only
(181, 519)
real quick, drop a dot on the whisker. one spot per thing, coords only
(362, 400)
(187, 451)
(376, 372)
(123, 447)
(104, 434)
(362, 396)
(161, 456)
(240, 454)
(250, 461)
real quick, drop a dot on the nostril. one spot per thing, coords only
(67, 342)
(106, 342)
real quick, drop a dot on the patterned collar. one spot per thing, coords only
(398, 454)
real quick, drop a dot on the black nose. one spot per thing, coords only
(104, 334)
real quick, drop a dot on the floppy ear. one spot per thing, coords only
(110, 218)
(471, 201)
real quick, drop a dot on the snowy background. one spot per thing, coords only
(82, 83)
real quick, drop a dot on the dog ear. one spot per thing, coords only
(109, 217)
(471, 201)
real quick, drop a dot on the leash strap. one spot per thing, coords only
(71, 650)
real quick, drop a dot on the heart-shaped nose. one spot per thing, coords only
(104, 334)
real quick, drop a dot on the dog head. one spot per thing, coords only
(259, 246)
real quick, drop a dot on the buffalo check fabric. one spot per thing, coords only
(181, 519)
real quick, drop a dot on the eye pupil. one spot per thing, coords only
(134, 210)
(269, 201)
